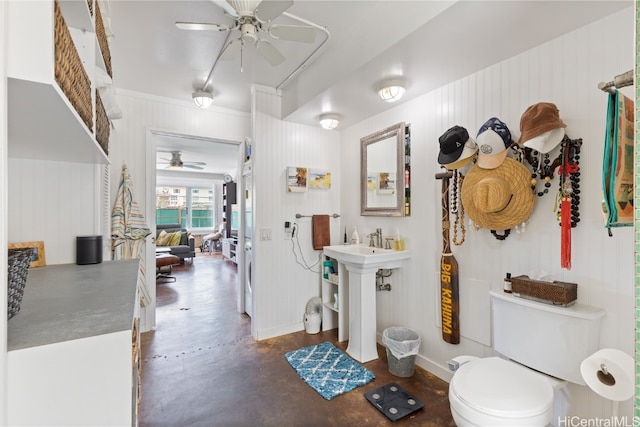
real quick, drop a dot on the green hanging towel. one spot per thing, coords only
(617, 168)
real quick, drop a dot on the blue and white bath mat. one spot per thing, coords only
(328, 370)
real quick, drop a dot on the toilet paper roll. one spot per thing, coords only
(609, 372)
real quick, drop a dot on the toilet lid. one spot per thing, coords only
(502, 388)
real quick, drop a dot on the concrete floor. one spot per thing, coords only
(200, 366)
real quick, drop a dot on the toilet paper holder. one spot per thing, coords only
(604, 376)
(610, 373)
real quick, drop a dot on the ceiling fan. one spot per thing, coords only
(252, 19)
(176, 162)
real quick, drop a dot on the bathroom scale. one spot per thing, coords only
(394, 401)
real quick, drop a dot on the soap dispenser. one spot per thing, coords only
(355, 239)
(398, 243)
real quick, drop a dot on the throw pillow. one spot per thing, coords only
(184, 239)
(175, 238)
(163, 238)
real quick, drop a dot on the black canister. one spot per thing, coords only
(88, 250)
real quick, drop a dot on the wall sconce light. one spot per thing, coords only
(202, 98)
(391, 90)
(329, 120)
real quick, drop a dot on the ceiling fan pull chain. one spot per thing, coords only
(241, 57)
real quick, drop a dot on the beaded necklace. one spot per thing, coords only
(457, 208)
(542, 167)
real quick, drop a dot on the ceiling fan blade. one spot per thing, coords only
(270, 53)
(226, 7)
(192, 167)
(268, 10)
(232, 50)
(195, 163)
(201, 26)
(296, 33)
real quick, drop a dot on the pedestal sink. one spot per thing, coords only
(362, 262)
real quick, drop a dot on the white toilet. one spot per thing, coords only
(544, 345)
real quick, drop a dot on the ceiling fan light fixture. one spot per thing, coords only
(202, 98)
(329, 120)
(391, 90)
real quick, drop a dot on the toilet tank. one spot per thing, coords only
(548, 338)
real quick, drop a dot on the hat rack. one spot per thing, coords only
(621, 80)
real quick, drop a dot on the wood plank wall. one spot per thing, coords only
(564, 71)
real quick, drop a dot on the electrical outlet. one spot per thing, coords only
(265, 234)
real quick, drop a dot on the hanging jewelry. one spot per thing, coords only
(502, 236)
(570, 196)
(573, 173)
(457, 208)
(543, 168)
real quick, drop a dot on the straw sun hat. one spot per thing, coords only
(499, 198)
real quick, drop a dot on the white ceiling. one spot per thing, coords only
(430, 43)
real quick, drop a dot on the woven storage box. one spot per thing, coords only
(101, 34)
(102, 125)
(69, 71)
(557, 293)
(17, 270)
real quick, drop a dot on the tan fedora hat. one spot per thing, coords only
(499, 198)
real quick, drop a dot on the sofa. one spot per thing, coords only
(177, 239)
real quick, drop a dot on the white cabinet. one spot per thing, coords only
(73, 348)
(229, 248)
(335, 298)
(53, 108)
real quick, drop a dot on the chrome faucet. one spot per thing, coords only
(377, 243)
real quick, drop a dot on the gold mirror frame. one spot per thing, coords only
(371, 182)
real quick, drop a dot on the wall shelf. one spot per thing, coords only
(42, 121)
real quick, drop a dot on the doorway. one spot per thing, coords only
(203, 162)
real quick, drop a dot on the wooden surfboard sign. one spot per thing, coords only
(449, 292)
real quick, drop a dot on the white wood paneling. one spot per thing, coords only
(143, 113)
(53, 202)
(564, 71)
(4, 185)
(282, 286)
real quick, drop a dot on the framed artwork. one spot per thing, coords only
(296, 179)
(37, 258)
(372, 182)
(386, 183)
(319, 179)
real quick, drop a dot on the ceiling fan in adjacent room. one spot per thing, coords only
(252, 20)
(176, 162)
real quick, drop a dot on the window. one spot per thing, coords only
(201, 207)
(189, 207)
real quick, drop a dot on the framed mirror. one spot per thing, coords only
(382, 172)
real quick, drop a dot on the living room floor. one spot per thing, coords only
(201, 367)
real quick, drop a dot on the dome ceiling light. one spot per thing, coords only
(391, 90)
(329, 120)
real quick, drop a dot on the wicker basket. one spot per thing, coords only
(101, 34)
(18, 269)
(69, 71)
(102, 125)
(558, 293)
